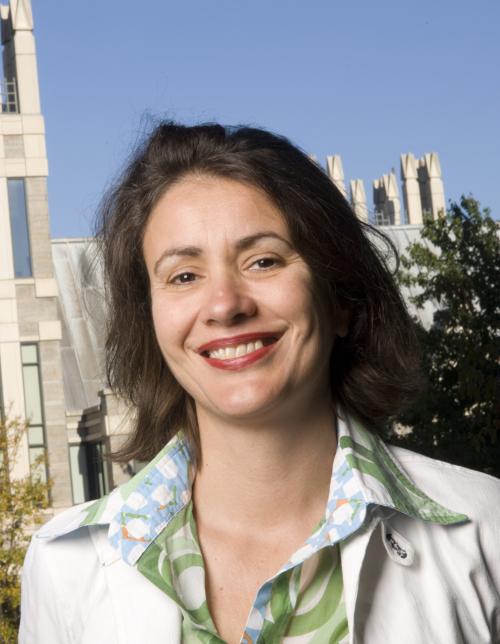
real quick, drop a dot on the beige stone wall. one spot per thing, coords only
(38, 220)
(29, 306)
(117, 426)
(55, 422)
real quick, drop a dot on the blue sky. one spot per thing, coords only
(367, 80)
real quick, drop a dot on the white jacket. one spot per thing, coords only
(406, 581)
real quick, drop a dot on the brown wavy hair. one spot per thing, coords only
(375, 369)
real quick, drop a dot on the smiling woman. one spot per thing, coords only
(374, 372)
(259, 332)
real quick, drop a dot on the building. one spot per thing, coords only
(51, 295)
(30, 327)
(422, 184)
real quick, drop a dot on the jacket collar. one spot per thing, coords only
(382, 478)
(365, 472)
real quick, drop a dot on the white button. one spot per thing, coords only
(398, 548)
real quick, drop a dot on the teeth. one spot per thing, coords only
(227, 353)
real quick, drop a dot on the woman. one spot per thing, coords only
(262, 339)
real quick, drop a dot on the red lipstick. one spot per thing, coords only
(235, 340)
(236, 363)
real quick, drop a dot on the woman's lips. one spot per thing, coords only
(235, 340)
(239, 351)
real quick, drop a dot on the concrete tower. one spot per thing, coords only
(358, 199)
(386, 200)
(336, 172)
(411, 190)
(30, 329)
(431, 185)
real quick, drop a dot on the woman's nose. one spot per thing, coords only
(227, 302)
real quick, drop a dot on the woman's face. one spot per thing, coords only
(232, 301)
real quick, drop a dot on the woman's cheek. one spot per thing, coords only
(164, 327)
(173, 320)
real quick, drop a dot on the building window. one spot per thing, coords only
(2, 408)
(383, 218)
(79, 473)
(89, 472)
(97, 470)
(8, 94)
(2, 417)
(33, 407)
(19, 228)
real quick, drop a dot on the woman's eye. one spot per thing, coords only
(183, 278)
(265, 262)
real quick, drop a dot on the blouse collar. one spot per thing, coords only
(364, 473)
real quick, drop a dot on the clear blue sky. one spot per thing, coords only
(367, 80)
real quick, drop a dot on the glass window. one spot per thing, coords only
(32, 397)
(29, 354)
(19, 228)
(97, 471)
(35, 435)
(2, 413)
(37, 465)
(33, 407)
(79, 473)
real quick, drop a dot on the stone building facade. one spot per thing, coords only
(30, 326)
(422, 187)
(52, 307)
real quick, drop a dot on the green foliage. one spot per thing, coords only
(22, 502)
(459, 273)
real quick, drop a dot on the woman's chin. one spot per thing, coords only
(242, 405)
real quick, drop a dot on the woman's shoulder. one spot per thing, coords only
(76, 587)
(470, 492)
(61, 578)
(63, 545)
(65, 549)
(66, 521)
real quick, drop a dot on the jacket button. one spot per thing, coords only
(395, 546)
(398, 548)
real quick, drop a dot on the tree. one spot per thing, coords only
(22, 502)
(456, 267)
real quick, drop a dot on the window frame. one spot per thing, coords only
(27, 272)
(36, 445)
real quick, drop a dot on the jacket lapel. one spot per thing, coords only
(352, 556)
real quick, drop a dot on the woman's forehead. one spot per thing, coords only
(205, 208)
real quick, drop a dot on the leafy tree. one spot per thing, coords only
(22, 502)
(456, 267)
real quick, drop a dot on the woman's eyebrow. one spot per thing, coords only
(194, 251)
(250, 240)
(181, 251)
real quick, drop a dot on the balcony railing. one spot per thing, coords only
(8, 94)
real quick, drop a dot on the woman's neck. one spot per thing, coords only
(268, 475)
